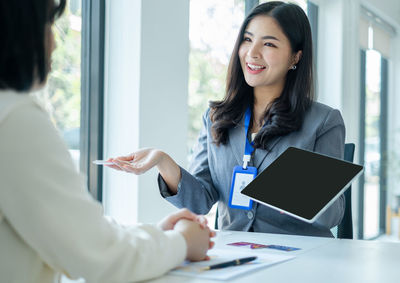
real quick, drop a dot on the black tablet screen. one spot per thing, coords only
(302, 182)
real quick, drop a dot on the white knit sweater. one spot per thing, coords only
(49, 223)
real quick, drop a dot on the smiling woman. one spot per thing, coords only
(266, 56)
(267, 98)
(268, 39)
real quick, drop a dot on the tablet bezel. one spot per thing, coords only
(327, 205)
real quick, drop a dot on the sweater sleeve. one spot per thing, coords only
(46, 202)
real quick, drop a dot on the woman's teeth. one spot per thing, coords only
(255, 67)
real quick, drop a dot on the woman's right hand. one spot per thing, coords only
(138, 162)
(144, 159)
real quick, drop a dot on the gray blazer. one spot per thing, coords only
(209, 180)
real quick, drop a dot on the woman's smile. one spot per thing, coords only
(265, 53)
(254, 69)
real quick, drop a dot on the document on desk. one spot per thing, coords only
(196, 269)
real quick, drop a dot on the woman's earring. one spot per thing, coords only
(294, 67)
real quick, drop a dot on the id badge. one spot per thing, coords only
(240, 179)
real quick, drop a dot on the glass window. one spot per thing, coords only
(372, 144)
(375, 43)
(301, 3)
(213, 28)
(62, 95)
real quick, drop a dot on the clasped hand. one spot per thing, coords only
(194, 229)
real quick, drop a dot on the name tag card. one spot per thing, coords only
(240, 179)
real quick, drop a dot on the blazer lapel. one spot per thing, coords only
(237, 141)
(260, 154)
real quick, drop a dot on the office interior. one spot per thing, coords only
(137, 73)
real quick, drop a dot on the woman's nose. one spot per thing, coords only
(253, 51)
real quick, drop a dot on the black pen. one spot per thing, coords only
(235, 262)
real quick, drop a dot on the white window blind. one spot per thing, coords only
(381, 36)
(381, 41)
(363, 33)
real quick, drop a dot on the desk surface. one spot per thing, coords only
(319, 260)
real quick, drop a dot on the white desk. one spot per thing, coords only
(319, 260)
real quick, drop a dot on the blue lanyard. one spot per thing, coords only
(248, 149)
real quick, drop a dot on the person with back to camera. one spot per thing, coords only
(268, 106)
(49, 223)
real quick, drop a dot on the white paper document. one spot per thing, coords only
(195, 269)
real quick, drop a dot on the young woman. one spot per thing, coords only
(49, 224)
(269, 84)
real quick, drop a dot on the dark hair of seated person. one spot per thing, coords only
(23, 34)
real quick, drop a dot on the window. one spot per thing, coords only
(210, 51)
(91, 142)
(374, 141)
(375, 54)
(62, 95)
(301, 3)
(74, 93)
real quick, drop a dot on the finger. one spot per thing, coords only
(202, 220)
(132, 167)
(211, 245)
(207, 258)
(120, 162)
(113, 167)
(187, 214)
(120, 166)
(129, 157)
(169, 222)
(184, 213)
(212, 233)
(128, 167)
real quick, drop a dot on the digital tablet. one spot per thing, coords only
(302, 183)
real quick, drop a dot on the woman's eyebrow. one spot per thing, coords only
(264, 37)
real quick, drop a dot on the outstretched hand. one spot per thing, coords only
(138, 162)
(144, 159)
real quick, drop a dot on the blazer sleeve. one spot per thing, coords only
(45, 200)
(330, 141)
(196, 190)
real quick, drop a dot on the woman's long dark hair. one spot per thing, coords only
(23, 54)
(286, 113)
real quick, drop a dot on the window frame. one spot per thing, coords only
(383, 149)
(92, 94)
(249, 5)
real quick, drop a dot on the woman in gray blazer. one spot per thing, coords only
(270, 78)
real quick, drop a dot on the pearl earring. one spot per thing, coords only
(294, 67)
